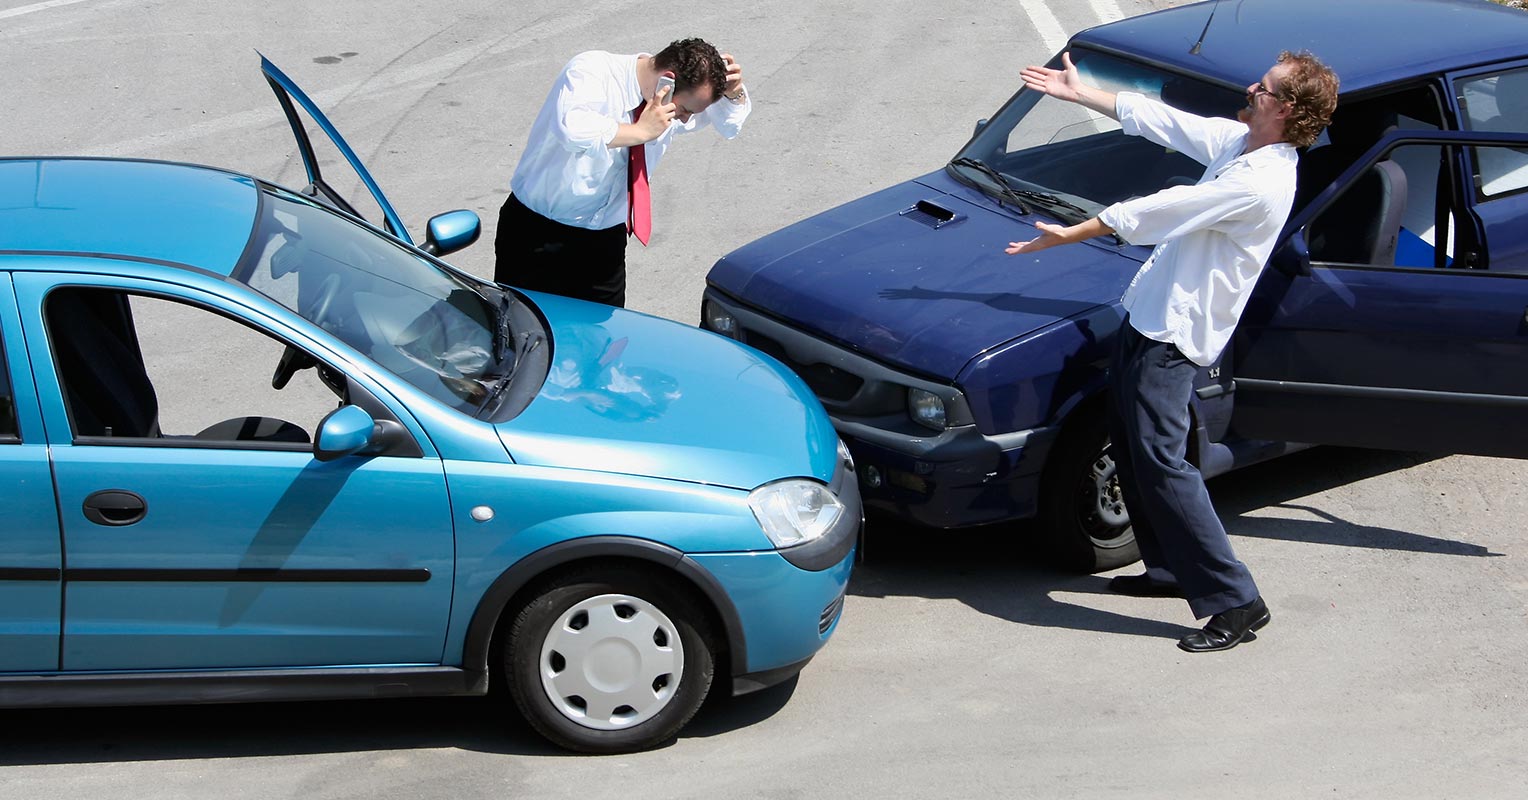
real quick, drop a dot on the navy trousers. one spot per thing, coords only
(544, 255)
(1179, 533)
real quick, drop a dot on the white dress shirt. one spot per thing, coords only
(567, 172)
(1212, 238)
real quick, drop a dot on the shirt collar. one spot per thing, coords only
(630, 86)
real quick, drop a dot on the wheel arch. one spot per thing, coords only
(507, 590)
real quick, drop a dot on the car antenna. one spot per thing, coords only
(1194, 51)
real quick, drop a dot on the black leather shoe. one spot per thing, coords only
(1143, 586)
(1228, 629)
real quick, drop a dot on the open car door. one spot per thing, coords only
(292, 98)
(1420, 345)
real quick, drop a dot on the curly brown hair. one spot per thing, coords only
(1310, 88)
(694, 62)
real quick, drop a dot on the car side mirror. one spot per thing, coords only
(344, 431)
(1293, 257)
(450, 232)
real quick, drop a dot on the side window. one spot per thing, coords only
(8, 429)
(138, 367)
(1497, 104)
(1389, 216)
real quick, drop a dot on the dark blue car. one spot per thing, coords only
(969, 384)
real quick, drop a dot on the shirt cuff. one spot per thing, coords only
(1124, 110)
(1120, 219)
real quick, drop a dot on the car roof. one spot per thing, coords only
(1369, 43)
(175, 213)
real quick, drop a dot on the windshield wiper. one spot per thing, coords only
(1052, 201)
(501, 334)
(1005, 192)
(529, 341)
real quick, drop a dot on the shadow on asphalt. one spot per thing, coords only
(480, 724)
(998, 571)
(993, 570)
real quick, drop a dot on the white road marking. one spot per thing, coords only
(16, 12)
(1107, 10)
(1046, 24)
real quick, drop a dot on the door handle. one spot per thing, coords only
(114, 507)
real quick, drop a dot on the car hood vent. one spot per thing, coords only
(932, 214)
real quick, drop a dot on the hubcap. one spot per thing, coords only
(1107, 500)
(611, 662)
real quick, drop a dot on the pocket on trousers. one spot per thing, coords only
(1171, 356)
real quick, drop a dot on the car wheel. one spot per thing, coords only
(608, 661)
(1082, 510)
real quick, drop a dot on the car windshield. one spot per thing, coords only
(430, 326)
(1079, 161)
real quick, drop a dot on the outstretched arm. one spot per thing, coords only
(1052, 235)
(1066, 84)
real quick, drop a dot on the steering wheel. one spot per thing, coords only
(292, 361)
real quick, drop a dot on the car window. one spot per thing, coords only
(1061, 148)
(8, 429)
(429, 326)
(1388, 216)
(148, 370)
(1497, 103)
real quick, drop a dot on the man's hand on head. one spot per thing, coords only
(734, 89)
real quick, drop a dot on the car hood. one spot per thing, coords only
(880, 278)
(634, 394)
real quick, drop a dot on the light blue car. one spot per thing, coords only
(445, 484)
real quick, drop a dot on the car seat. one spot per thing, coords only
(1363, 224)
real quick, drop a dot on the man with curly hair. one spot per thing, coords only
(580, 186)
(1212, 241)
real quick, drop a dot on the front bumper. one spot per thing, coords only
(956, 479)
(786, 613)
(950, 479)
(788, 601)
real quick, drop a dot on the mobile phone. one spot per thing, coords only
(666, 80)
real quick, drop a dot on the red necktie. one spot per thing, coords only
(640, 219)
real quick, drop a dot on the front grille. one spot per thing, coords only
(827, 382)
(830, 614)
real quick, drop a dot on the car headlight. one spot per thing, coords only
(796, 511)
(926, 408)
(715, 318)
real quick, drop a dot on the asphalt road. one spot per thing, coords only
(1394, 666)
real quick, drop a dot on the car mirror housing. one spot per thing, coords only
(1293, 257)
(344, 431)
(451, 231)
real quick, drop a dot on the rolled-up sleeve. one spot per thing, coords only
(1179, 210)
(726, 116)
(584, 120)
(1200, 138)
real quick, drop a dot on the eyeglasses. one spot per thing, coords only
(1259, 89)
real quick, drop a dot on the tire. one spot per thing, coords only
(608, 660)
(1085, 525)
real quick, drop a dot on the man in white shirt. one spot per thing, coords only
(564, 227)
(1212, 240)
